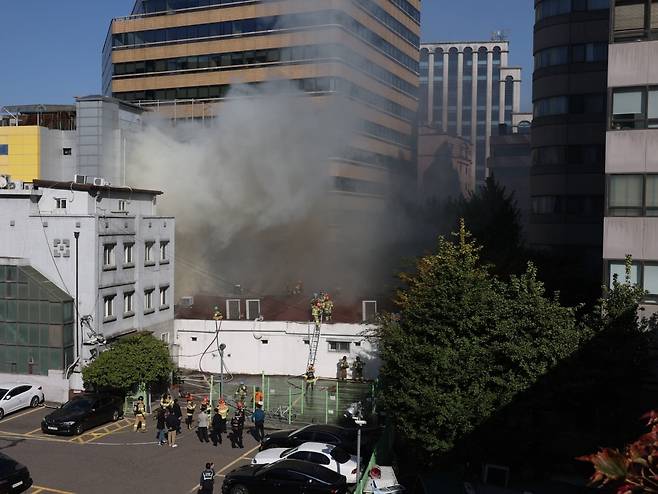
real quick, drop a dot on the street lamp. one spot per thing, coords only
(355, 412)
(217, 316)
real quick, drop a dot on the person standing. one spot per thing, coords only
(202, 425)
(140, 415)
(216, 428)
(343, 365)
(357, 369)
(161, 426)
(222, 409)
(175, 407)
(258, 418)
(207, 480)
(172, 427)
(189, 411)
(166, 401)
(237, 428)
(310, 379)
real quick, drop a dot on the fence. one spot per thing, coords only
(286, 400)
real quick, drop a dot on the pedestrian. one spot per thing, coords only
(258, 418)
(222, 409)
(216, 428)
(202, 426)
(343, 365)
(237, 427)
(357, 369)
(189, 410)
(207, 480)
(175, 407)
(172, 427)
(140, 415)
(161, 426)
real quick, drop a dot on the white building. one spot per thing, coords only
(104, 246)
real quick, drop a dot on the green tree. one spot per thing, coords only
(130, 361)
(464, 344)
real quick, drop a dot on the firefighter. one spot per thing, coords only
(343, 365)
(140, 415)
(241, 392)
(309, 377)
(258, 397)
(166, 401)
(357, 369)
(189, 410)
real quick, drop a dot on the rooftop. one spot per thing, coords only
(51, 184)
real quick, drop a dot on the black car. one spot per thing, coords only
(284, 477)
(14, 476)
(319, 433)
(83, 412)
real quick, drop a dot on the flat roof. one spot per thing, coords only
(110, 99)
(51, 184)
(39, 108)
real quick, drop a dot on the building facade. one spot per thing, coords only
(631, 164)
(103, 246)
(181, 57)
(568, 130)
(467, 89)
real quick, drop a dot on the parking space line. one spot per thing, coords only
(101, 432)
(48, 490)
(34, 431)
(19, 435)
(219, 473)
(17, 416)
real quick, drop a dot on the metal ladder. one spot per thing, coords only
(313, 345)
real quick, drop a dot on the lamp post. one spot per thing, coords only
(355, 412)
(217, 316)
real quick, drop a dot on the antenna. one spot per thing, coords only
(500, 35)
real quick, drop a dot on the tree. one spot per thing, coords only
(464, 344)
(130, 361)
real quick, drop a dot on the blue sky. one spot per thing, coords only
(51, 49)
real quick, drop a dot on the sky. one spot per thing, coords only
(51, 49)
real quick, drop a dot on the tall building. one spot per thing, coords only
(631, 162)
(568, 130)
(467, 89)
(181, 57)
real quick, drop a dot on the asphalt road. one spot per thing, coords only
(113, 458)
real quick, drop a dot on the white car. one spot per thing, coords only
(15, 396)
(327, 455)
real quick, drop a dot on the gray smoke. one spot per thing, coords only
(249, 192)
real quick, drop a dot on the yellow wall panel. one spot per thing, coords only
(24, 158)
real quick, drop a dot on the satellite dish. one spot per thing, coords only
(4, 182)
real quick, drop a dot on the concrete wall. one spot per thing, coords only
(635, 236)
(55, 387)
(632, 64)
(285, 352)
(632, 151)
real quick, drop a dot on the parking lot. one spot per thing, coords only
(113, 459)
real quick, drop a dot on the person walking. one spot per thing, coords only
(237, 427)
(202, 425)
(140, 415)
(175, 407)
(172, 427)
(258, 418)
(189, 411)
(207, 480)
(216, 428)
(160, 426)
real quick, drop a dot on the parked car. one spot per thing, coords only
(16, 396)
(14, 476)
(319, 433)
(284, 477)
(83, 412)
(329, 456)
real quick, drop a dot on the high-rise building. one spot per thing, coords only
(631, 162)
(181, 57)
(467, 89)
(568, 130)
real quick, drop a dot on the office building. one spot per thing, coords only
(104, 246)
(181, 56)
(467, 89)
(631, 163)
(568, 130)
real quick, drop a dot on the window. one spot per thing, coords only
(253, 309)
(122, 205)
(618, 268)
(318, 458)
(551, 106)
(651, 195)
(627, 109)
(635, 19)
(148, 253)
(590, 52)
(163, 251)
(60, 203)
(148, 300)
(625, 195)
(557, 55)
(108, 256)
(108, 307)
(652, 109)
(163, 297)
(369, 310)
(233, 309)
(4, 149)
(128, 254)
(128, 303)
(66, 151)
(339, 346)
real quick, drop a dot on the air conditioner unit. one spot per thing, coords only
(5, 180)
(100, 182)
(79, 179)
(15, 184)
